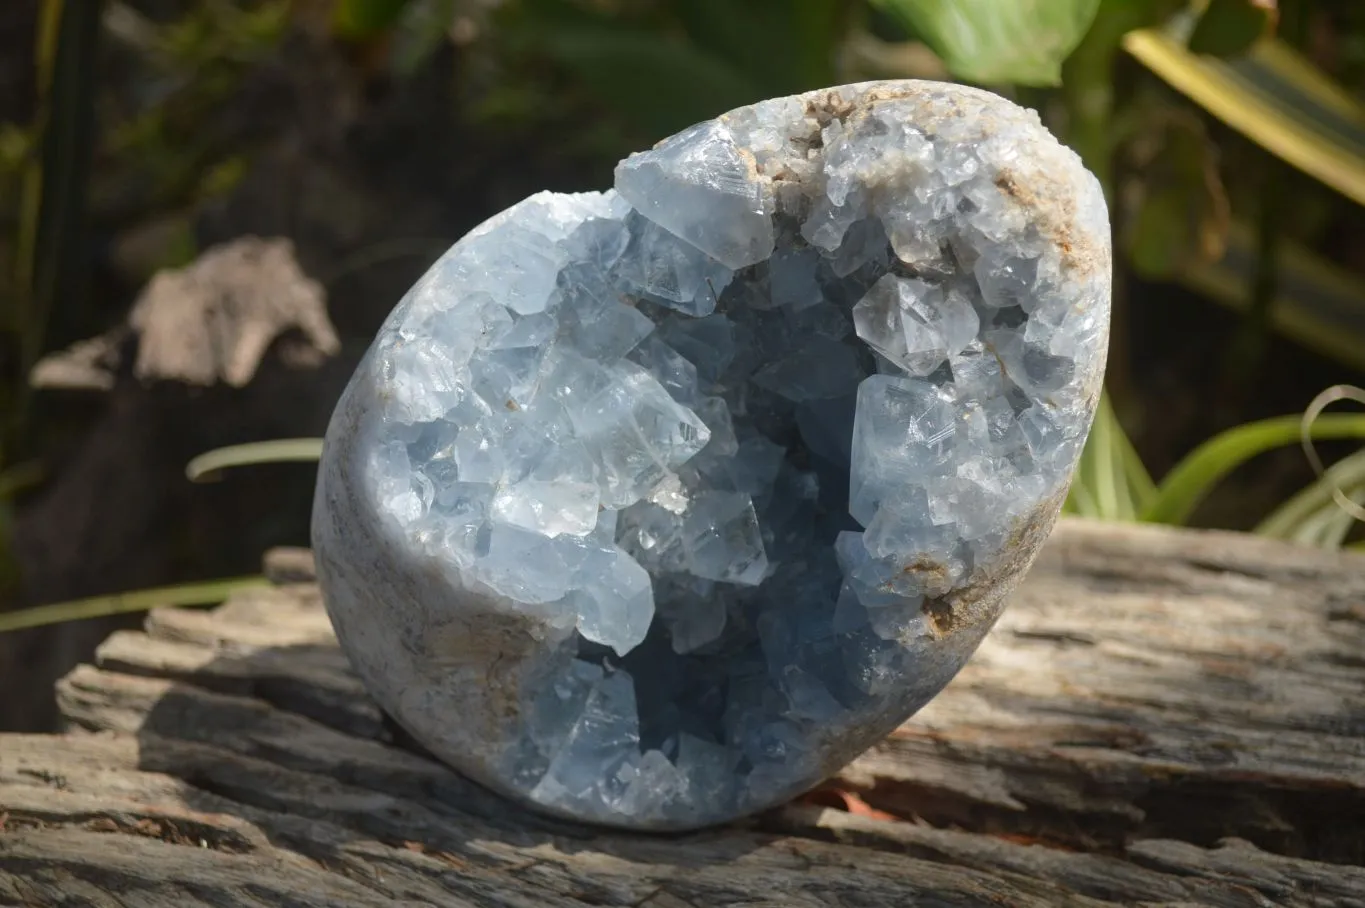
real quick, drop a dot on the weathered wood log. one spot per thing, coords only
(1161, 718)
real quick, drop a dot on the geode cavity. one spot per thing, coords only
(654, 507)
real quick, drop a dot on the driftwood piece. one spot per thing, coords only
(1160, 718)
(212, 321)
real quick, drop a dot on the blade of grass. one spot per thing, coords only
(1336, 526)
(1079, 501)
(1190, 480)
(1310, 416)
(1141, 488)
(1104, 487)
(206, 466)
(208, 593)
(1324, 529)
(1348, 474)
(1108, 494)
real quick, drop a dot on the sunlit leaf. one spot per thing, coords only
(1274, 97)
(209, 593)
(1228, 28)
(1190, 480)
(991, 42)
(286, 450)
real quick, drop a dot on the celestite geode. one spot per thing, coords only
(653, 507)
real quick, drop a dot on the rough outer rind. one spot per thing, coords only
(454, 667)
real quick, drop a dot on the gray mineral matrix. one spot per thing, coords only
(654, 507)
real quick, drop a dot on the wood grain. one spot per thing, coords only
(1162, 718)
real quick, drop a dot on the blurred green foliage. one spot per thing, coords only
(984, 41)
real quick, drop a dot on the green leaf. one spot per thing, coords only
(782, 47)
(1272, 95)
(1289, 519)
(1111, 482)
(209, 593)
(992, 42)
(285, 450)
(1229, 28)
(659, 84)
(1190, 480)
(365, 18)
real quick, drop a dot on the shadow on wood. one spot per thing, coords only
(1160, 718)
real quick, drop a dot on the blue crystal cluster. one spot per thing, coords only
(723, 445)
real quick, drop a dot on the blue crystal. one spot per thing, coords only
(646, 506)
(659, 266)
(699, 186)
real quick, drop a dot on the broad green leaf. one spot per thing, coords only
(285, 450)
(1227, 28)
(1190, 480)
(209, 593)
(998, 41)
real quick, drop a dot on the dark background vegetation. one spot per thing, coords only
(137, 134)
